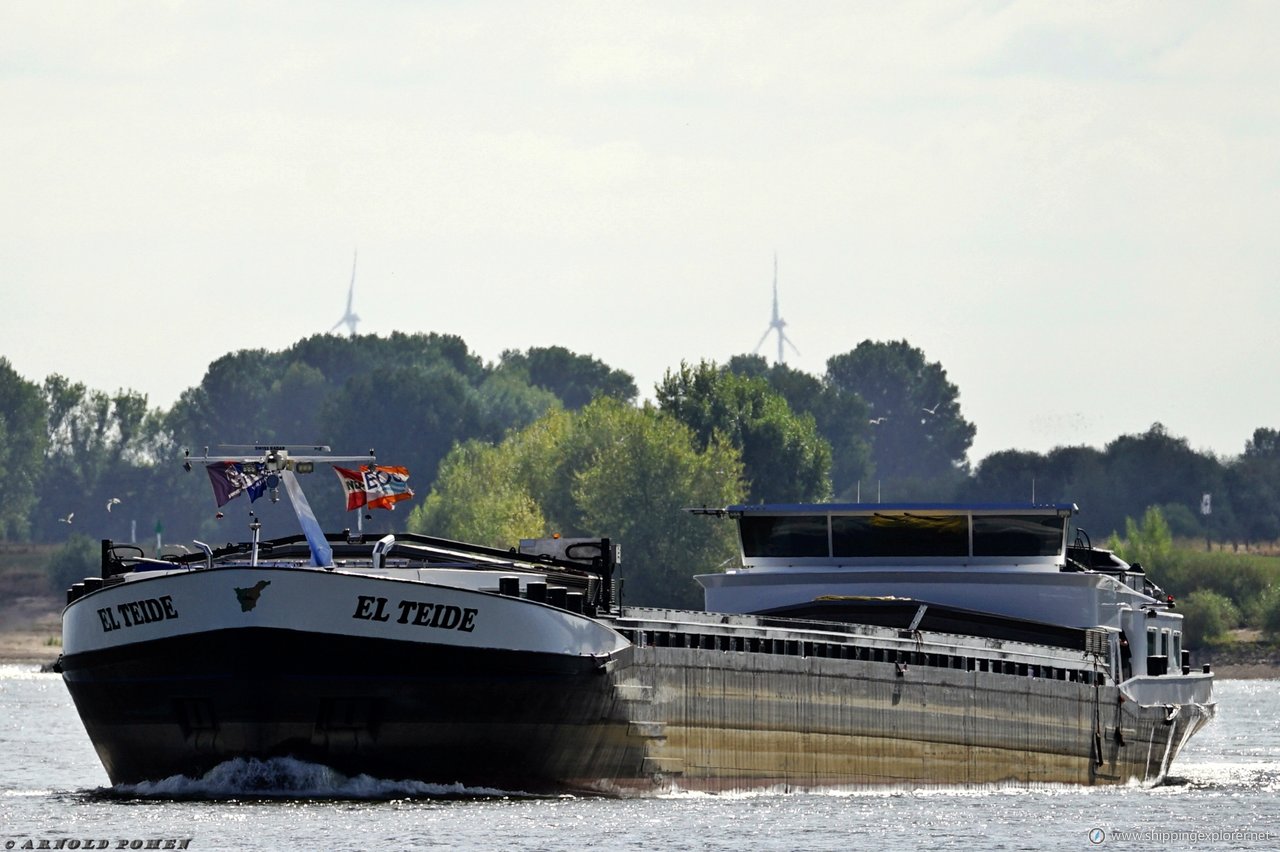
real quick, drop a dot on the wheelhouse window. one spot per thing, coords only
(900, 535)
(1017, 535)
(784, 535)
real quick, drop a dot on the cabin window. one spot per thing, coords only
(784, 535)
(1164, 643)
(1177, 646)
(1152, 639)
(900, 535)
(1017, 535)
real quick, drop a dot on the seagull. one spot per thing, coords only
(67, 519)
(877, 421)
(933, 410)
(114, 501)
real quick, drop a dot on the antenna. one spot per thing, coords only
(777, 323)
(350, 318)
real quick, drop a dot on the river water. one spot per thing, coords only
(54, 791)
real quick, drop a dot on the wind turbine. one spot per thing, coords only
(777, 323)
(349, 317)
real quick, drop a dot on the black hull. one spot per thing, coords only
(396, 710)
(788, 713)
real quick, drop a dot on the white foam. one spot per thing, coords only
(287, 777)
(24, 671)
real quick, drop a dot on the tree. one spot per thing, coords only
(77, 558)
(230, 403)
(636, 489)
(785, 460)
(1156, 468)
(339, 357)
(607, 470)
(1207, 618)
(1149, 543)
(574, 379)
(918, 430)
(508, 402)
(411, 416)
(23, 439)
(478, 497)
(94, 440)
(1079, 475)
(1008, 475)
(1269, 612)
(842, 418)
(282, 397)
(1253, 482)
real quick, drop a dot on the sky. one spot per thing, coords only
(1072, 207)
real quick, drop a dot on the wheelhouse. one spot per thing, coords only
(859, 534)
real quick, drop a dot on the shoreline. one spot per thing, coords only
(31, 631)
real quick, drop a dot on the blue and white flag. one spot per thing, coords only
(231, 479)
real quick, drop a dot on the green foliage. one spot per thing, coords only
(1241, 577)
(609, 470)
(98, 446)
(919, 433)
(1207, 616)
(842, 418)
(1267, 614)
(1215, 591)
(1183, 523)
(785, 459)
(478, 498)
(1156, 468)
(574, 379)
(67, 448)
(412, 415)
(23, 438)
(507, 402)
(1149, 543)
(1103, 484)
(78, 558)
(1254, 486)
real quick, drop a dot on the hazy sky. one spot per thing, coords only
(1071, 206)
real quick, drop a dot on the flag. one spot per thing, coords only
(231, 479)
(386, 486)
(377, 487)
(352, 485)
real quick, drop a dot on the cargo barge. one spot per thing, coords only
(855, 645)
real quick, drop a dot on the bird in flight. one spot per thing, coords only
(114, 501)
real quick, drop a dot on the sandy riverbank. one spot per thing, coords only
(30, 630)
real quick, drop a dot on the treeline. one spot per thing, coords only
(547, 440)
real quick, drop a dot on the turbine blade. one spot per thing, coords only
(351, 291)
(789, 343)
(765, 337)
